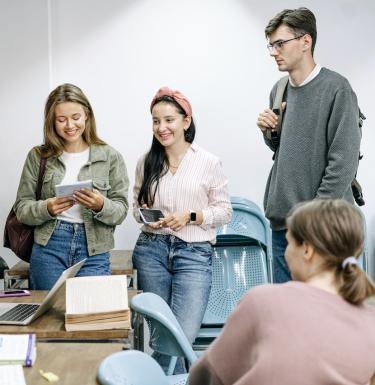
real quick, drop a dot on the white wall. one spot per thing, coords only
(23, 89)
(121, 51)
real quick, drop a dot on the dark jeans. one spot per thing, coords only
(281, 271)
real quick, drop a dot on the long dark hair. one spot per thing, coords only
(156, 161)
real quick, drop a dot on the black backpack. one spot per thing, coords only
(273, 134)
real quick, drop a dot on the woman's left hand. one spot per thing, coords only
(92, 199)
(176, 221)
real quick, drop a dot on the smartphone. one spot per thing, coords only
(150, 215)
(14, 293)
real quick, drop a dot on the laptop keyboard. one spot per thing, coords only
(19, 312)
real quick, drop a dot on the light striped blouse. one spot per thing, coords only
(198, 184)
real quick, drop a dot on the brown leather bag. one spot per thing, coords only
(20, 237)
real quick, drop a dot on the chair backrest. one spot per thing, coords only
(166, 334)
(248, 224)
(235, 270)
(242, 259)
(130, 367)
(363, 259)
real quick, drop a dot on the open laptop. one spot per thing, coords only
(24, 313)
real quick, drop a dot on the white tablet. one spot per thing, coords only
(67, 190)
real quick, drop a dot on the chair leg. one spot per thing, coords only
(138, 335)
(172, 365)
(135, 279)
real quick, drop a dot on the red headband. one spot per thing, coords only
(180, 99)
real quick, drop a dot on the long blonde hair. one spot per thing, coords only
(53, 143)
(335, 229)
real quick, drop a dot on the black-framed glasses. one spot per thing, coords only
(278, 44)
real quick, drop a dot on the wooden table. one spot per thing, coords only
(74, 363)
(51, 325)
(121, 263)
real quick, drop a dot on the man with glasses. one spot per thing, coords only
(316, 155)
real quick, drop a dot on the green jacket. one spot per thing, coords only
(107, 170)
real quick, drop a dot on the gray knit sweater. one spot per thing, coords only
(319, 146)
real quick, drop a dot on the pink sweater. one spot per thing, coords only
(291, 334)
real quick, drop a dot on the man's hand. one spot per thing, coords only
(268, 119)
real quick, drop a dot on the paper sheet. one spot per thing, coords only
(17, 349)
(12, 375)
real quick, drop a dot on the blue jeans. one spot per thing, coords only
(180, 273)
(281, 271)
(67, 246)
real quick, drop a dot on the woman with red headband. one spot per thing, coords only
(173, 255)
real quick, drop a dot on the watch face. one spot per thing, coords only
(193, 216)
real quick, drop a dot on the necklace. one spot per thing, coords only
(177, 165)
(179, 159)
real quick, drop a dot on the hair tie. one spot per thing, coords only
(349, 261)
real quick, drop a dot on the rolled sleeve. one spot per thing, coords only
(137, 187)
(219, 210)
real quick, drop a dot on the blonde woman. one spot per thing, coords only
(315, 330)
(69, 229)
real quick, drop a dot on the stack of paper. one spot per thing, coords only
(97, 303)
(17, 349)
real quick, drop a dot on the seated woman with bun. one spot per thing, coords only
(316, 330)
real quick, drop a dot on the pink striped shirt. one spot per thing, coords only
(198, 184)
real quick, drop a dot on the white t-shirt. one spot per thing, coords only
(73, 162)
(313, 74)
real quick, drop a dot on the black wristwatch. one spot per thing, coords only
(193, 216)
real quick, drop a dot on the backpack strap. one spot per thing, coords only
(361, 119)
(274, 134)
(357, 192)
(356, 187)
(42, 169)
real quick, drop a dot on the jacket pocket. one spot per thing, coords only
(48, 188)
(102, 185)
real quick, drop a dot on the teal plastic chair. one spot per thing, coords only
(166, 334)
(132, 367)
(363, 259)
(242, 259)
(248, 223)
